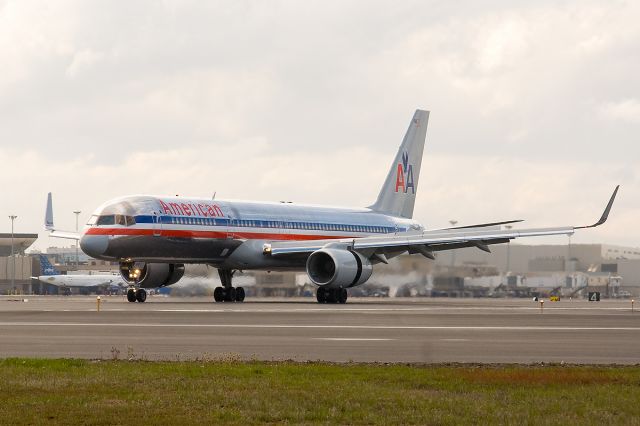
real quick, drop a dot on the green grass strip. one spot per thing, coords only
(152, 393)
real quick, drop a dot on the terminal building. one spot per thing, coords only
(16, 271)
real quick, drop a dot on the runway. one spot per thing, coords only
(364, 330)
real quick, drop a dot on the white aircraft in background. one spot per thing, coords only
(153, 237)
(49, 274)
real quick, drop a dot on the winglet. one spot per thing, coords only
(605, 214)
(48, 217)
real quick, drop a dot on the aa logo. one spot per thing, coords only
(404, 175)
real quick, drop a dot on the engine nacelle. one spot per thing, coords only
(151, 275)
(338, 268)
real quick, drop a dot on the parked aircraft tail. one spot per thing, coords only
(49, 226)
(46, 268)
(398, 194)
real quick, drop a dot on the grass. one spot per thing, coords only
(139, 392)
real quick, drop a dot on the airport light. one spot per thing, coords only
(508, 250)
(453, 252)
(77, 213)
(13, 276)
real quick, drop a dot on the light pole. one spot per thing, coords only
(508, 251)
(77, 213)
(453, 252)
(13, 276)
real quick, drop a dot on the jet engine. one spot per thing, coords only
(338, 268)
(151, 275)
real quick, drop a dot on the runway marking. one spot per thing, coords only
(315, 326)
(330, 310)
(349, 339)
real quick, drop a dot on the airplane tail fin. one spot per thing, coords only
(46, 268)
(48, 217)
(48, 224)
(398, 194)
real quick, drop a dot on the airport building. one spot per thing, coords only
(612, 270)
(16, 271)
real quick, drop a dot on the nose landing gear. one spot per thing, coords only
(136, 295)
(228, 293)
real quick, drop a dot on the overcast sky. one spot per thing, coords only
(535, 109)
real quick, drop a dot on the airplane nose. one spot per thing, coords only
(94, 245)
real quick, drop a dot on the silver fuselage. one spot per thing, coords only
(222, 233)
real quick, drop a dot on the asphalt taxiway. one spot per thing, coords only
(363, 330)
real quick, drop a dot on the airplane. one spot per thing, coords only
(49, 274)
(153, 237)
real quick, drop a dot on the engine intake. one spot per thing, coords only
(337, 268)
(151, 275)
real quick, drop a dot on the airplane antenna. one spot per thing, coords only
(214, 195)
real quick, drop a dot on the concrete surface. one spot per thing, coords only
(365, 330)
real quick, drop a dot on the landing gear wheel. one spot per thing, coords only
(321, 295)
(141, 295)
(342, 295)
(218, 294)
(131, 295)
(239, 294)
(332, 295)
(230, 294)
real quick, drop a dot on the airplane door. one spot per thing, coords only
(157, 224)
(233, 223)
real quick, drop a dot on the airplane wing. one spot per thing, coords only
(427, 242)
(48, 224)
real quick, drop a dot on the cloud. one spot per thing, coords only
(627, 110)
(309, 101)
(492, 188)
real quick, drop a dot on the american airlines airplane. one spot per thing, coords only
(153, 237)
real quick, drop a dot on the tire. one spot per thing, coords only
(239, 294)
(321, 295)
(131, 295)
(141, 295)
(218, 294)
(342, 295)
(230, 294)
(332, 295)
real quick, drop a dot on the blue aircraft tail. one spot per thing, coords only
(46, 268)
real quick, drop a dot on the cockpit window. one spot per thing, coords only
(110, 219)
(106, 220)
(92, 220)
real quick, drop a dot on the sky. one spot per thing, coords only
(535, 106)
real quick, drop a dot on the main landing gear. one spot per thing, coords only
(331, 295)
(227, 293)
(136, 295)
